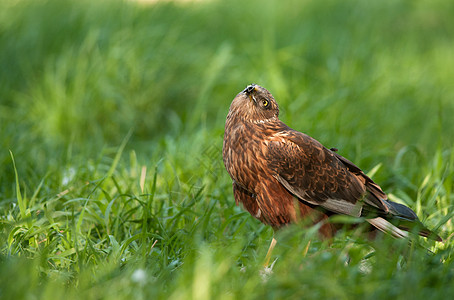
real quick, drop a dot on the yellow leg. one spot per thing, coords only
(268, 254)
(306, 249)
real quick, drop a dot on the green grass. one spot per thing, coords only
(111, 122)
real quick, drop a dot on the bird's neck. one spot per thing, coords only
(263, 121)
(238, 117)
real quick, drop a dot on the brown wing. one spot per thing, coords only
(375, 196)
(318, 176)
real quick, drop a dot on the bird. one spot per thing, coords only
(281, 175)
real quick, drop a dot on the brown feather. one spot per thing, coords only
(271, 165)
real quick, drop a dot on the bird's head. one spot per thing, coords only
(255, 104)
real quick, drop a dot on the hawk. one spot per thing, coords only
(280, 175)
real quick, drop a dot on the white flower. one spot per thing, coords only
(139, 276)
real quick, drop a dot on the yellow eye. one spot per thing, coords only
(265, 103)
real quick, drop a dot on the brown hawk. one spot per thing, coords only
(272, 165)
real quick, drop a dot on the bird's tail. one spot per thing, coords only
(400, 221)
(385, 226)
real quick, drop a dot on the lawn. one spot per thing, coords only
(112, 116)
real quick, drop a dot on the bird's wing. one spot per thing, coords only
(376, 196)
(321, 177)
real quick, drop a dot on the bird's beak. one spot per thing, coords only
(249, 91)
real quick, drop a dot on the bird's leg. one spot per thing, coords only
(268, 254)
(307, 248)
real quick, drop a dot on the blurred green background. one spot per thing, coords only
(94, 94)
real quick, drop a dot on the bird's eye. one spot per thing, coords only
(265, 103)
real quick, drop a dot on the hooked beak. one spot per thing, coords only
(249, 90)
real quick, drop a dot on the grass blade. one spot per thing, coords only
(21, 201)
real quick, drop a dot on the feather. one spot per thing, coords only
(386, 227)
(271, 165)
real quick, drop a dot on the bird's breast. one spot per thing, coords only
(244, 157)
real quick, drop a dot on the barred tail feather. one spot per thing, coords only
(385, 226)
(401, 230)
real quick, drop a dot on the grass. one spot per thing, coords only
(111, 121)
